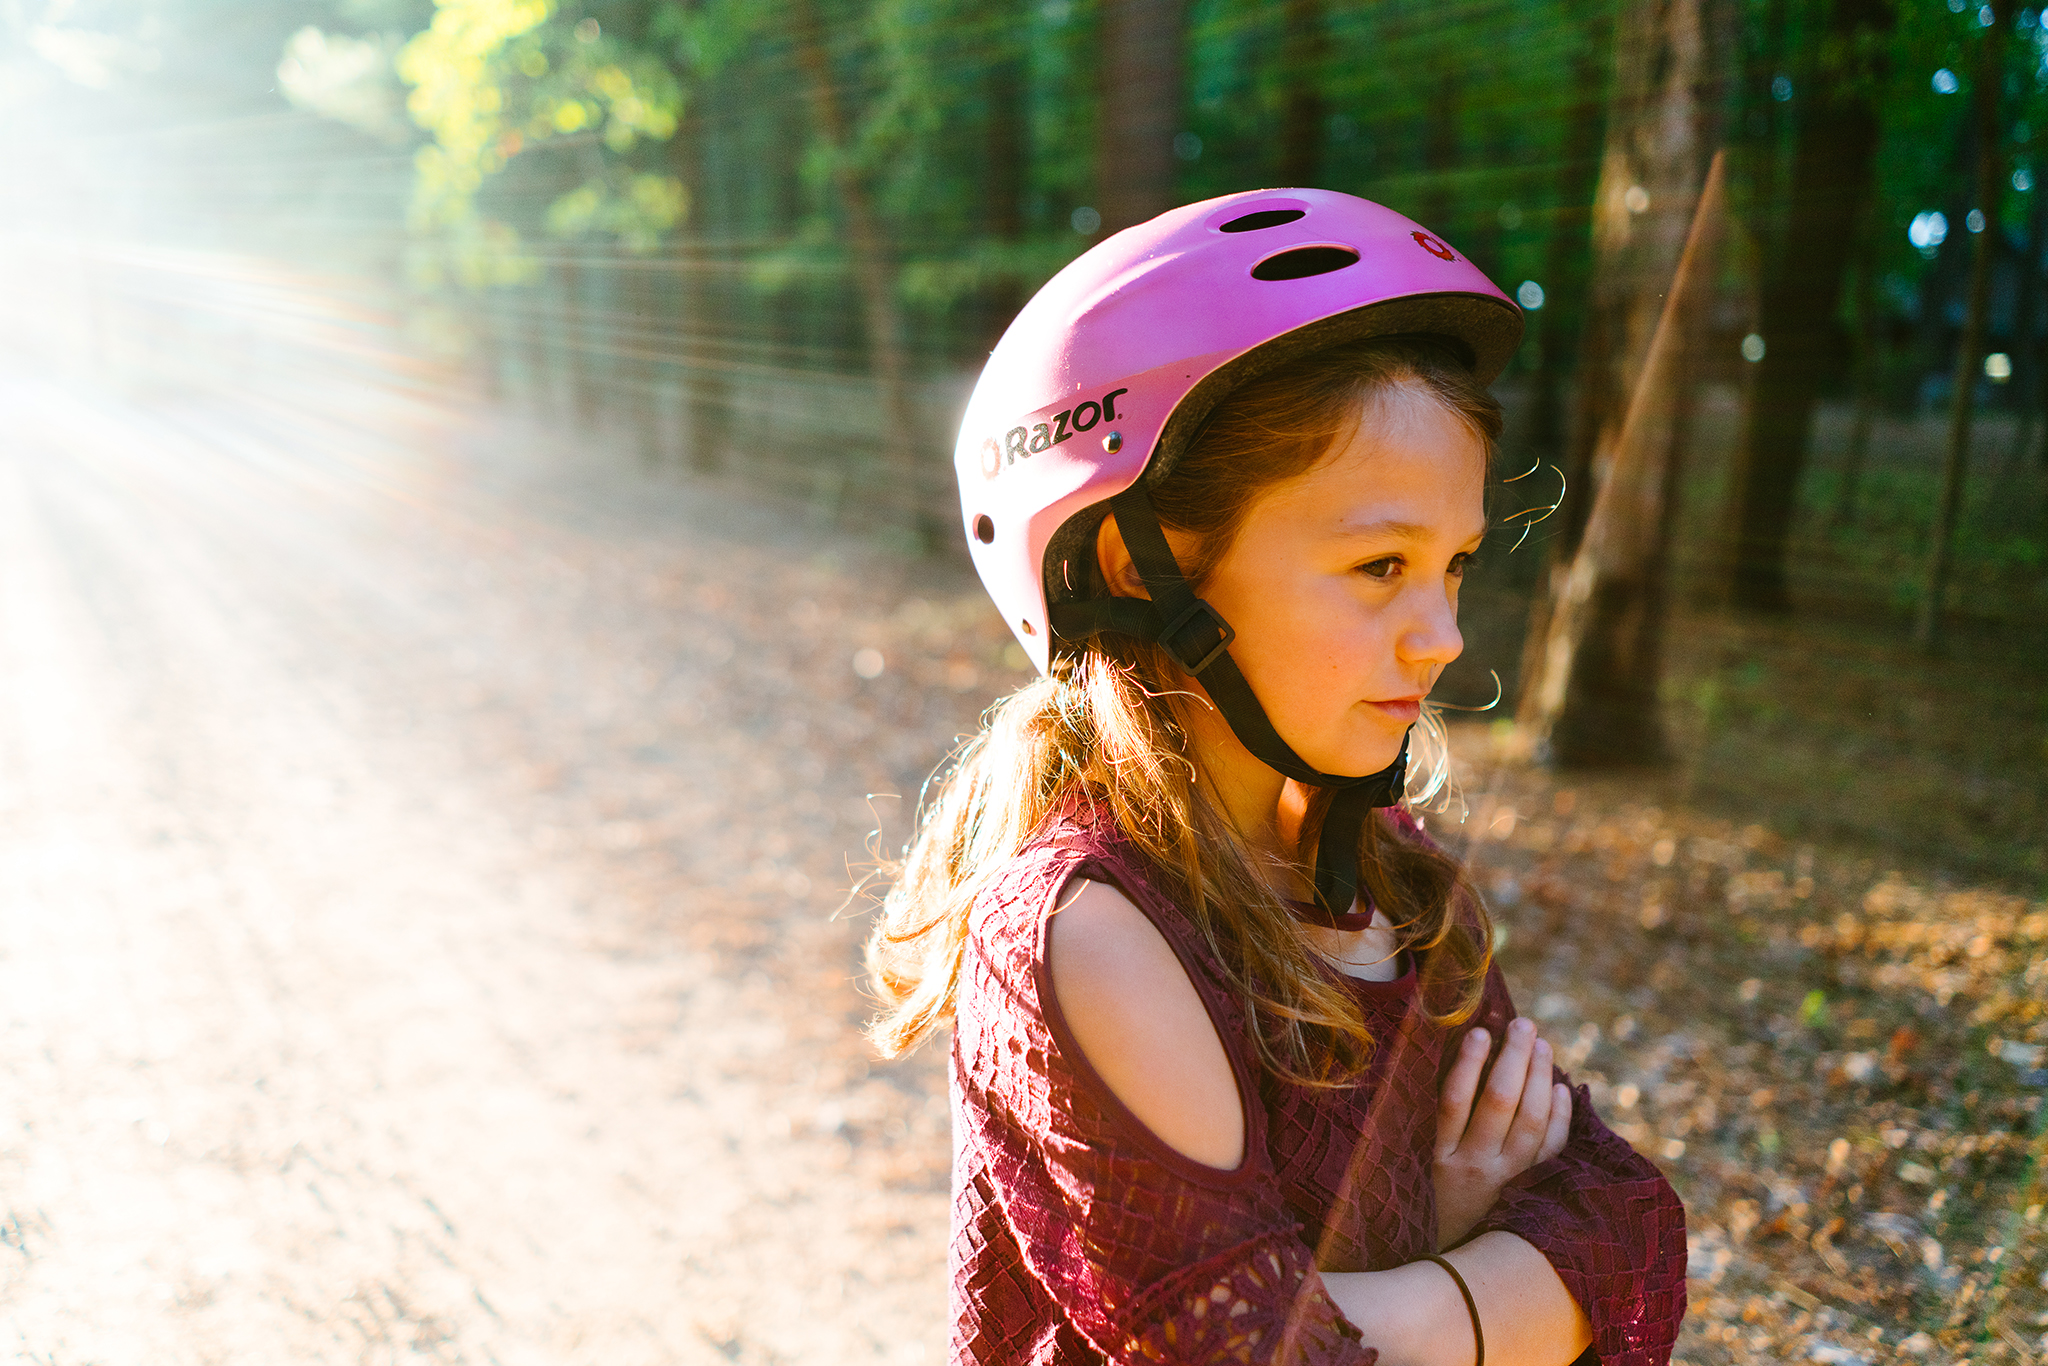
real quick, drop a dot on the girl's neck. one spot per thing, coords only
(1266, 808)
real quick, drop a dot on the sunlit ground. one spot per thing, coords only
(418, 855)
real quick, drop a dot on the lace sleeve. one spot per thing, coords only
(1613, 1229)
(1148, 1255)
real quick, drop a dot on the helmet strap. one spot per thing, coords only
(1198, 639)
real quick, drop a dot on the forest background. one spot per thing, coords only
(772, 241)
(1782, 262)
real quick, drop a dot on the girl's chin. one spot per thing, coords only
(1356, 760)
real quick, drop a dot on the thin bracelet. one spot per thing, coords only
(1471, 1307)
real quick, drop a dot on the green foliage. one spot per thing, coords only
(554, 119)
(707, 37)
(1922, 164)
(1460, 120)
(493, 80)
(924, 83)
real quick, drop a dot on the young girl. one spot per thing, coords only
(1234, 1078)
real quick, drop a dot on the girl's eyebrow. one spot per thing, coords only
(1402, 531)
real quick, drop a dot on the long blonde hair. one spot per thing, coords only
(1107, 726)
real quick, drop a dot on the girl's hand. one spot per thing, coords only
(1486, 1139)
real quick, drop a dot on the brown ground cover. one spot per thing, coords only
(1839, 1064)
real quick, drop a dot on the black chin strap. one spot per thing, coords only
(1198, 639)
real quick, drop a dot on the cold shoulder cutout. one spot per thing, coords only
(1140, 1024)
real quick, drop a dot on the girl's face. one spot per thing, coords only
(1342, 582)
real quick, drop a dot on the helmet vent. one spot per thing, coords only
(1303, 262)
(984, 529)
(1264, 218)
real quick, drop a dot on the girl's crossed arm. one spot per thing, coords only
(1144, 1029)
(1485, 1138)
(1416, 1317)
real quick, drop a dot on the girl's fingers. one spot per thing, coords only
(1532, 1117)
(1454, 1106)
(1560, 1122)
(1497, 1104)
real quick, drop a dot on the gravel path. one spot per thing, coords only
(418, 854)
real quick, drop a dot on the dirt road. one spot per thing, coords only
(417, 858)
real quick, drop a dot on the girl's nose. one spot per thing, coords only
(1431, 638)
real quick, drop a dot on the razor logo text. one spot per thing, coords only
(1021, 443)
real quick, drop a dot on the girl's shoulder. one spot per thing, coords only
(1117, 1018)
(1078, 839)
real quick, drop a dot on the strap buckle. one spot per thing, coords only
(1170, 637)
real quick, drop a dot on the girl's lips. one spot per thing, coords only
(1400, 710)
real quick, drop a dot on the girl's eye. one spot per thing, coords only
(1381, 569)
(1460, 562)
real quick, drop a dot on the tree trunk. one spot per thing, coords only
(576, 334)
(1869, 338)
(788, 330)
(700, 360)
(1768, 120)
(1564, 258)
(645, 294)
(1970, 350)
(2041, 397)
(1945, 282)
(557, 323)
(1595, 699)
(2026, 347)
(1668, 62)
(874, 276)
(1560, 324)
(1142, 47)
(1834, 161)
(1662, 118)
(1303, 112)
(1007, 181)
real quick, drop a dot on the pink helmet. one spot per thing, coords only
(1112, 366)
(1109, 372)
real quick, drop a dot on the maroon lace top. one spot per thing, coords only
(1080, 1237)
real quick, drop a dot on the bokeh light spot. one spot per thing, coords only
(1928, 229)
